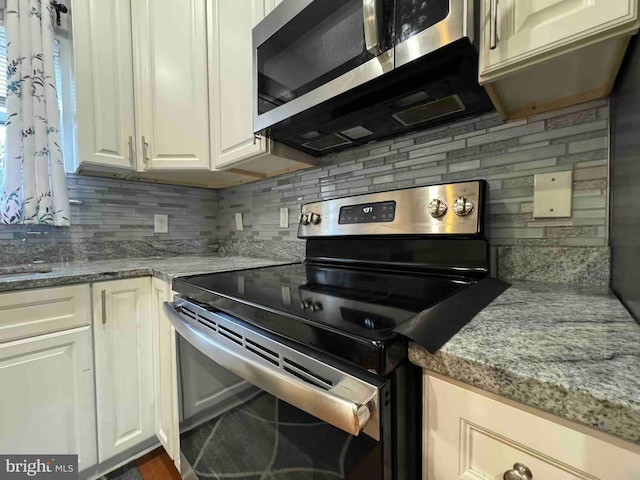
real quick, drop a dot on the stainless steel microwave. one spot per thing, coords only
(331, 74)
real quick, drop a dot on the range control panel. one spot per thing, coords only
(448, 209)
(368, 213)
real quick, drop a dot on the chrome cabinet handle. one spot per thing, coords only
(493, 24)
(336, 406)
(104, 307)
(519, 472)
(371, 34)
(130, 149)
(145, 151)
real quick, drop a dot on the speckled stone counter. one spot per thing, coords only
(571, 351)
(114, 269)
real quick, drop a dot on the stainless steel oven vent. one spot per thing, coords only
(326, 142)
(429, 111)
(257, 346)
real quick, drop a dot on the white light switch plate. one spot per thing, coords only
(239, 225)
(284, 217)
(160, 223)
(552, 195)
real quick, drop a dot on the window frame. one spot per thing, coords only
(66, 92)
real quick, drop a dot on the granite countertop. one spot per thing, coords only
(166, 268)
(569, 350)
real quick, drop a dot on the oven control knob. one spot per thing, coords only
(316, 307)
(304, 219)
(315, 218)
(462, 206)
(437, 208)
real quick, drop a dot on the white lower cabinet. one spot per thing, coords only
(470, 436)
(165, 373)
(47, 404)
(124, 364)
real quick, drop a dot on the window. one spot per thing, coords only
(3, 96)
(65, 84)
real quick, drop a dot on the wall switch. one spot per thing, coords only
(160, 223)
(552, 195)
(284, 217)
(239, 225)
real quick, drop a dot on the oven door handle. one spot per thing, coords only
(348, 405)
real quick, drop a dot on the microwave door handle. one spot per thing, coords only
(371, 34)
(348, 414)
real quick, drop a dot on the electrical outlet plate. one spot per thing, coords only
(160, 223)
(552, 195)
(284, 217)
(239, 225)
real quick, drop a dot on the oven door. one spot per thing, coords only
(308, 51)
(252, 407)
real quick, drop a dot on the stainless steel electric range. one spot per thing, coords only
(300, 371)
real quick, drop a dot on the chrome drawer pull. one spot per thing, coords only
(519, 472)
(104, 306)
(493, 24)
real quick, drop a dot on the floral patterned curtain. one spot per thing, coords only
(34, 185)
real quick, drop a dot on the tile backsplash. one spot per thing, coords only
(116, 216)
(115, 219)
(506, 155)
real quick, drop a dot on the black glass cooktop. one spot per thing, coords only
(348, 312)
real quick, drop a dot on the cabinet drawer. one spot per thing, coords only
(470, 436)
(27, 313)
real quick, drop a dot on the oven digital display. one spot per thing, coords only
(368, 213)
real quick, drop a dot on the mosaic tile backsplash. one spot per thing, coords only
(506, 155)
(116, 217)
(115, 220)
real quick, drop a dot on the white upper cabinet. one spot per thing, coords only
(270, 5)
(124, 364)
(165, 92)
(47, 405)
(231, 84)
(171, 83)
(104, 83)
(232, 91)
(531, 31)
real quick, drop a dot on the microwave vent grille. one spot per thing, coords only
(430, 111)
(326, 142)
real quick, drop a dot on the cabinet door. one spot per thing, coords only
(231, 80)
(470, 436)
(104, 82)
(269, 5)
(164, 372)
(172, 102)
(47, 405)
(124, 364)
(536, 28)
